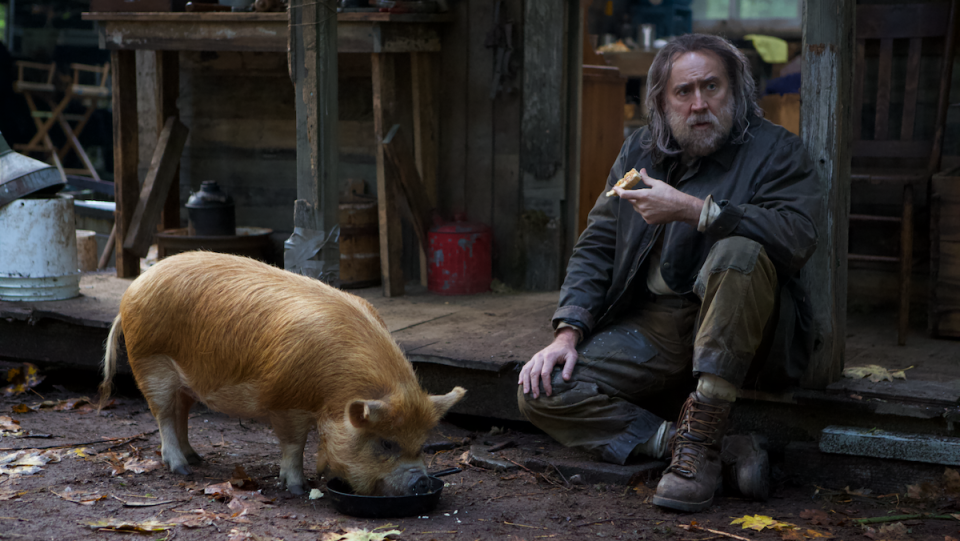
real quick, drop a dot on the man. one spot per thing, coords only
(691, 274)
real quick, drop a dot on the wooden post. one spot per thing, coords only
(125, 155)
(168, 89)
(543, 152)
(826, 128)
(384, 117)
(312, 58)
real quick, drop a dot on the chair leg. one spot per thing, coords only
(72, 140)
(906, 263)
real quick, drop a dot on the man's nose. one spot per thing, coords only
(699, 104)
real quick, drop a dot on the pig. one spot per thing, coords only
(255, 341)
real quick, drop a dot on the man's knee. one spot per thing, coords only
(732, 253)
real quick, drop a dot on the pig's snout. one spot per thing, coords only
(419, 482)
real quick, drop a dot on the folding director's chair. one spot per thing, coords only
(87, 93)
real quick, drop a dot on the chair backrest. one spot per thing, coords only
(101, 75)
(879, 28)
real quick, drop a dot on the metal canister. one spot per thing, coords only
(211, 212)
(459, 258)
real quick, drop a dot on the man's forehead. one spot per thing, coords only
(695, 66)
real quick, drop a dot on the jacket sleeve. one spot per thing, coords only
(782, 213)
(590, 270)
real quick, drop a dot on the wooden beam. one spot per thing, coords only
(385, 105)
(168, 90)
(125, 155)
(424, 69)
(153, 194)
(313, 67)
(825, 127)
(543, 151)
(399, 165)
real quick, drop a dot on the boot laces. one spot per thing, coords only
(698, 430)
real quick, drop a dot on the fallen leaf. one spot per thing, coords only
(816, 516)
(137, 465)
(761, 522)
(198, 518)
(22, 408)
(78, 497)
(358, 534)
(894, 532)
(71, 404)
(923, 491)
(22, 379)
(119, 525)
(27, 461)
(241, 480)
(874, 373)
(8, 425)
(240, 534)
(951, 481)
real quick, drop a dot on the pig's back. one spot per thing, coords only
(229, 321)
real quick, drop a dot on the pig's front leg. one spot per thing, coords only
(292, 428)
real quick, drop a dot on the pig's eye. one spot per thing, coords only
(390, 447)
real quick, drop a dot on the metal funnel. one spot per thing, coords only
(21, 175)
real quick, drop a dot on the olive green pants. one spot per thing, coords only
(631, 373)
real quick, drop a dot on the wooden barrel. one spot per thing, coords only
(359, 243)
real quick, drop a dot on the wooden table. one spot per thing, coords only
(369, 32)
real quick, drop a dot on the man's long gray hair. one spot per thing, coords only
(661, 143)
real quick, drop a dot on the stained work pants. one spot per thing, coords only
(631, 372)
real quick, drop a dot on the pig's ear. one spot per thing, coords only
(443, 402)
(365, 413)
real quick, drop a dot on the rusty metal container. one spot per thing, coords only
(459, 258)
(359, 242)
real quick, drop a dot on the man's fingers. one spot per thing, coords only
(648, 180)
(568, 365)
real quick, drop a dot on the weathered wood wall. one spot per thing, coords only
(241, 113)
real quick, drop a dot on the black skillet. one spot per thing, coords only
(348, 503)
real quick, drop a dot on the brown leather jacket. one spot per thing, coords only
(768, 191)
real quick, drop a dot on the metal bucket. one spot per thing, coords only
(38, 250)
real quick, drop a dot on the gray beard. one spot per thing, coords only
(696, 143)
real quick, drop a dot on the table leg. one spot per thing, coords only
(125, 155)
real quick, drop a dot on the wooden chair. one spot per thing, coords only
(89, 94)
(899, 159)
(79, 88)
(32, 85)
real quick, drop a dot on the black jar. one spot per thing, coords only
(211, 212)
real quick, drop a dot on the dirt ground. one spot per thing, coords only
(86, 472)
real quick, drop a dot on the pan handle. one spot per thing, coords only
(450, 471)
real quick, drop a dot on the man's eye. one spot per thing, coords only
(712, 86)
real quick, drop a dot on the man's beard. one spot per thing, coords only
(695, 142)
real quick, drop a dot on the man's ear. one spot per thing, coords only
(443, 402)
(366, 413)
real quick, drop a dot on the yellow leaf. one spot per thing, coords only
(21, 408)
(761, 522)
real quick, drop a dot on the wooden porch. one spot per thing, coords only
(480, 341)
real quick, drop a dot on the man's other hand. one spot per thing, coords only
(540, 367)
(662, 203)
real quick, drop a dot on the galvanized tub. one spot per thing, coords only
(38, 250)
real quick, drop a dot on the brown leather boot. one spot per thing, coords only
(694, 474)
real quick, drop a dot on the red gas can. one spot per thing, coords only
(459, 258)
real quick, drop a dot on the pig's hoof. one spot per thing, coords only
(297, 489)
(183, 469)
(194, 458)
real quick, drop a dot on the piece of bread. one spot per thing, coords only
(628, 181)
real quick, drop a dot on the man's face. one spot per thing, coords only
(699, 103)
